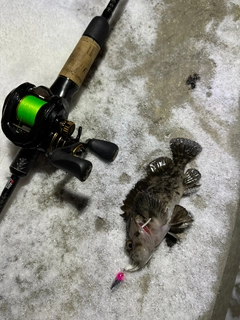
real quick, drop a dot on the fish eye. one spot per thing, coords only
(129, 245)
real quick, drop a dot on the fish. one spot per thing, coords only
(151, 209)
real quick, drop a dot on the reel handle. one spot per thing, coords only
(104, 149)
(69, 158)
(63, 158)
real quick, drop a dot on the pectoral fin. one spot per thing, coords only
(148, 206)
(181, 219)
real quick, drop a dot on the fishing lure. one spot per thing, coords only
(118, 279)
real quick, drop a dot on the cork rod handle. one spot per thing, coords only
(80, 60)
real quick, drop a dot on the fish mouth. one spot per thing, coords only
(136, 266)
(132, 267)
(144, 232)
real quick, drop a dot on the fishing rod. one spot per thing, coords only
(36, 118)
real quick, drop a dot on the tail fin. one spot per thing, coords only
(184, 150)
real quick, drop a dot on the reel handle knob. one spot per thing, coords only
(62, 159)
(105, 149)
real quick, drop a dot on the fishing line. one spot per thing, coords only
(28, 108)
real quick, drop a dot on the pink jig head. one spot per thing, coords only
(118, 279)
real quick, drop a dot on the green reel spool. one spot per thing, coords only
(28, 108)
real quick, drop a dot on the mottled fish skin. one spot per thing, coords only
(151, 209)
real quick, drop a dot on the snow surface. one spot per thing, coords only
(62, 241)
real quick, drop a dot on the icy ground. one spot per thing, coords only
(61, 241)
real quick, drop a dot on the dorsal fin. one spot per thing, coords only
(128, 204)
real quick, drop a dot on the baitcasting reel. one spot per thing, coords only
(35, 118)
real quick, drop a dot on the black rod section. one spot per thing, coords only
(20, 167)
(107, 13)
(8, 190)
